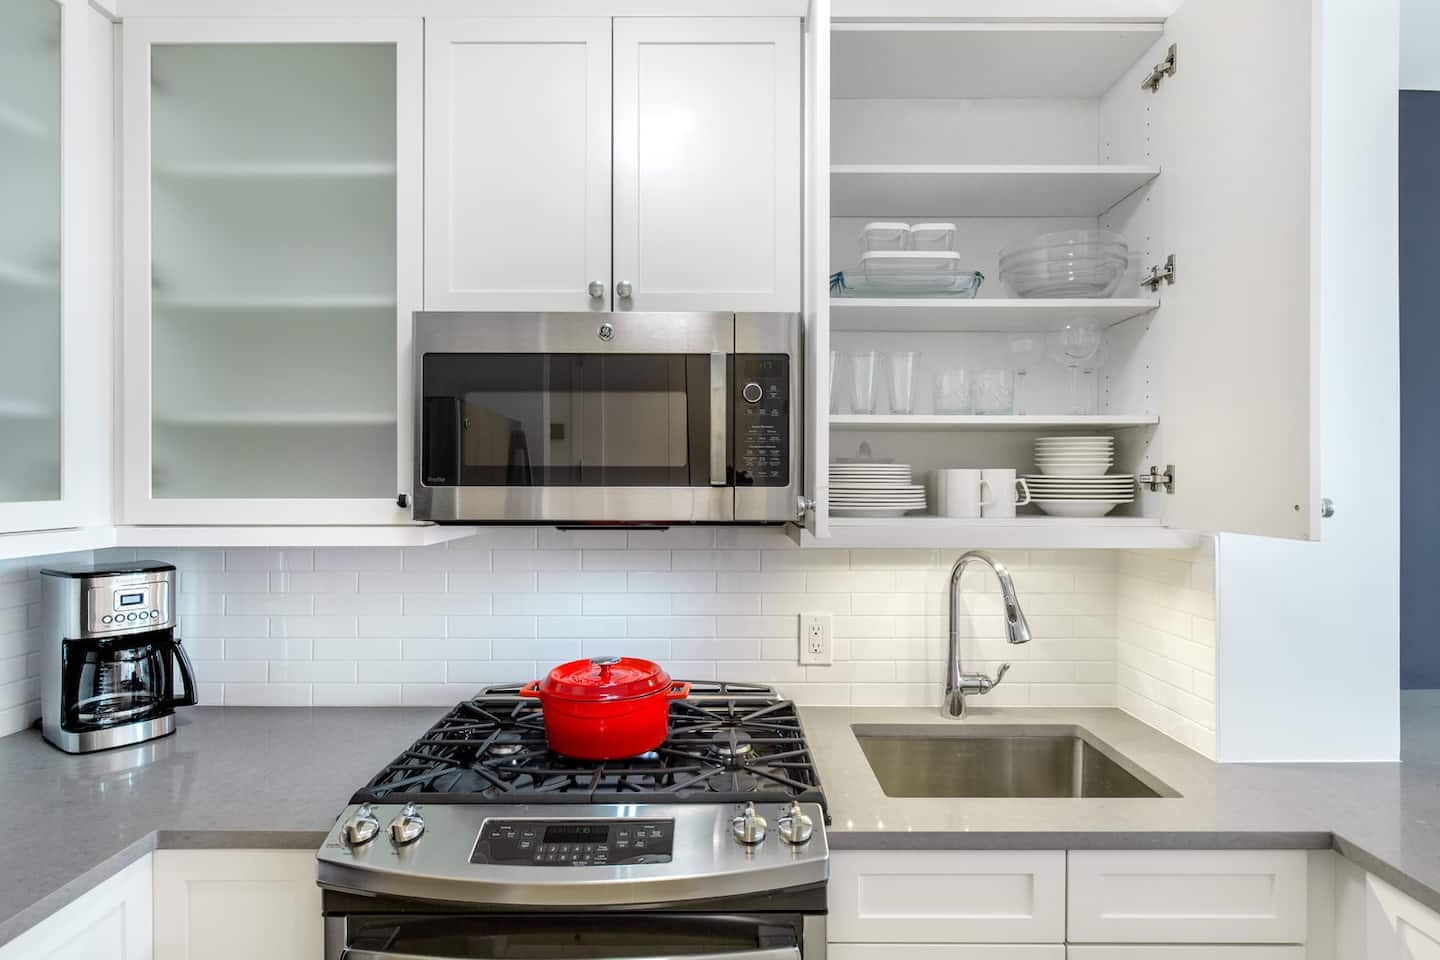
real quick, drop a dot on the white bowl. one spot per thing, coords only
(1077, 508)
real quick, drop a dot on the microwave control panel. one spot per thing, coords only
(762, 420)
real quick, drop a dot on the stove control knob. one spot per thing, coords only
(361, 828)
(749, 827)
(407, 827)
(795, 827)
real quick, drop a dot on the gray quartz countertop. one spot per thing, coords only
(267, 777)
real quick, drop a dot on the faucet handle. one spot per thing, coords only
(1000, 675)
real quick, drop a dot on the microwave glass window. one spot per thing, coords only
(565, 420)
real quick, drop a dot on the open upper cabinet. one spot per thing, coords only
(1010, 130)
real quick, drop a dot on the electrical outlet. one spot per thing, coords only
(817, 634)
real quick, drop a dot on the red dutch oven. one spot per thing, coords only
(606, 708)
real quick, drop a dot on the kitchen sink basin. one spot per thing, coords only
(995, 761)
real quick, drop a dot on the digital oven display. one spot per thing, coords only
(132, 599)
(578, 833)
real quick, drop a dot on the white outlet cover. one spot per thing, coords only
(817, 639)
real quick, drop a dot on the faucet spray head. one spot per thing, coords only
(1017, 630)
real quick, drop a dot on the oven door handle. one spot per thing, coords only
(769, 953)
(719, 409)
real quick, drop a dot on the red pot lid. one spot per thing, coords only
(605, 678)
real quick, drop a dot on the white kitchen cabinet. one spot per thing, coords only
(272, 247)
(237, 905)
(1012, 129)
(707, 164)
(517, 164)
(1184, 952)
(1186, 896)
(935, 896)
(1400, 928)
(55, 283)
(109, 922)
(944, 951)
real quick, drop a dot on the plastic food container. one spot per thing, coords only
(887, 236)
(606, 708)
(932, 262)
(932, 236)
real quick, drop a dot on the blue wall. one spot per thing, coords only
(1419, 389)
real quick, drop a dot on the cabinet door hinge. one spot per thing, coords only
(804, 505)
(1158, 275)
(1158, 481)
(1165, 68)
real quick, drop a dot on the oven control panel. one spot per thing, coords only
(574, 843)
(762, 420)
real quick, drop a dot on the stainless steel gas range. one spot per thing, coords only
(478, 842)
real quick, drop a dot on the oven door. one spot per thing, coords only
(567, 937)
(574, 418)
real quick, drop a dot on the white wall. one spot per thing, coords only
(1419, 45)
(1309, 632)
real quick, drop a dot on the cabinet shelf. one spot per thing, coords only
(982, 60)
(277, 304)
(276, 171)
(982, 190)
(1021, 533)
(978, 316)
(925, 421)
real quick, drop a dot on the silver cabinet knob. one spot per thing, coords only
(597, 290)
(361, 828)
(623, 290)
(407, 826)
(749, 827)
(795, 826)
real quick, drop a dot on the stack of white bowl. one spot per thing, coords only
(1073, 479)
(1068, 263)
(873, 489)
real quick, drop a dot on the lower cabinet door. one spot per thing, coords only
(946, 896)
(1187, 896)
(944, 951)
(237, 905)
(1187, 951)
(1401, 928)
(110, 922)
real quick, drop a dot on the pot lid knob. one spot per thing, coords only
(749, 827)
(604, 663)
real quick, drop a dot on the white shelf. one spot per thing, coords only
(982, 190)
(923, 421)
(278, 419)
(982, 60)
(978, 316)
(265, 304)
(277, 171)
(1021, 533)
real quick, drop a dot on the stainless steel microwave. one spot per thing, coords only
(593, 418)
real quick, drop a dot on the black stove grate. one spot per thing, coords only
(728, 743)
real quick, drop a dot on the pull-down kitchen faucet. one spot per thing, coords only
(958, 684)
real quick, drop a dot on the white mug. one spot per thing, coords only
(957, 493)
(1002, 493)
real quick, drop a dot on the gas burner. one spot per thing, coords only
(728, 743)
(733, 746)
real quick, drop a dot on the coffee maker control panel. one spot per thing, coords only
(115, 607)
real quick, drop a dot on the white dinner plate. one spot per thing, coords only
(872, 511)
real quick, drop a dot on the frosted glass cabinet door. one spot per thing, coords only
(29, 251)
(283, 268)
(707, 164)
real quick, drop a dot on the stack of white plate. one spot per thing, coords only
(859, 489)
(1080, 496)
(1074, 456)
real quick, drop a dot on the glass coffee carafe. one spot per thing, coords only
(123, 680)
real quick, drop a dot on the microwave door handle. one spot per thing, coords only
(719, 407)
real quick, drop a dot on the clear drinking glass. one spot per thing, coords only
(902, 380)
(864, 367)
(1072, 345)
(953, 392)
(1026, 350)
(995, 392)
(837, 365)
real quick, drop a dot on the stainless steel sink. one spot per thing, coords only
(1000, 761)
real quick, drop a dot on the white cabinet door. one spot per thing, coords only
(1185, 952)
(816, 286)
(944, 951)
(237, 905)
(1186, 896)
(1239, 217)
(707, 164)
(272, 249)
(110, 922)
(946, 896)
(1399, 927)
(517, 164)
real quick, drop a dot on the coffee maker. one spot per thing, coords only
(110, 656)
